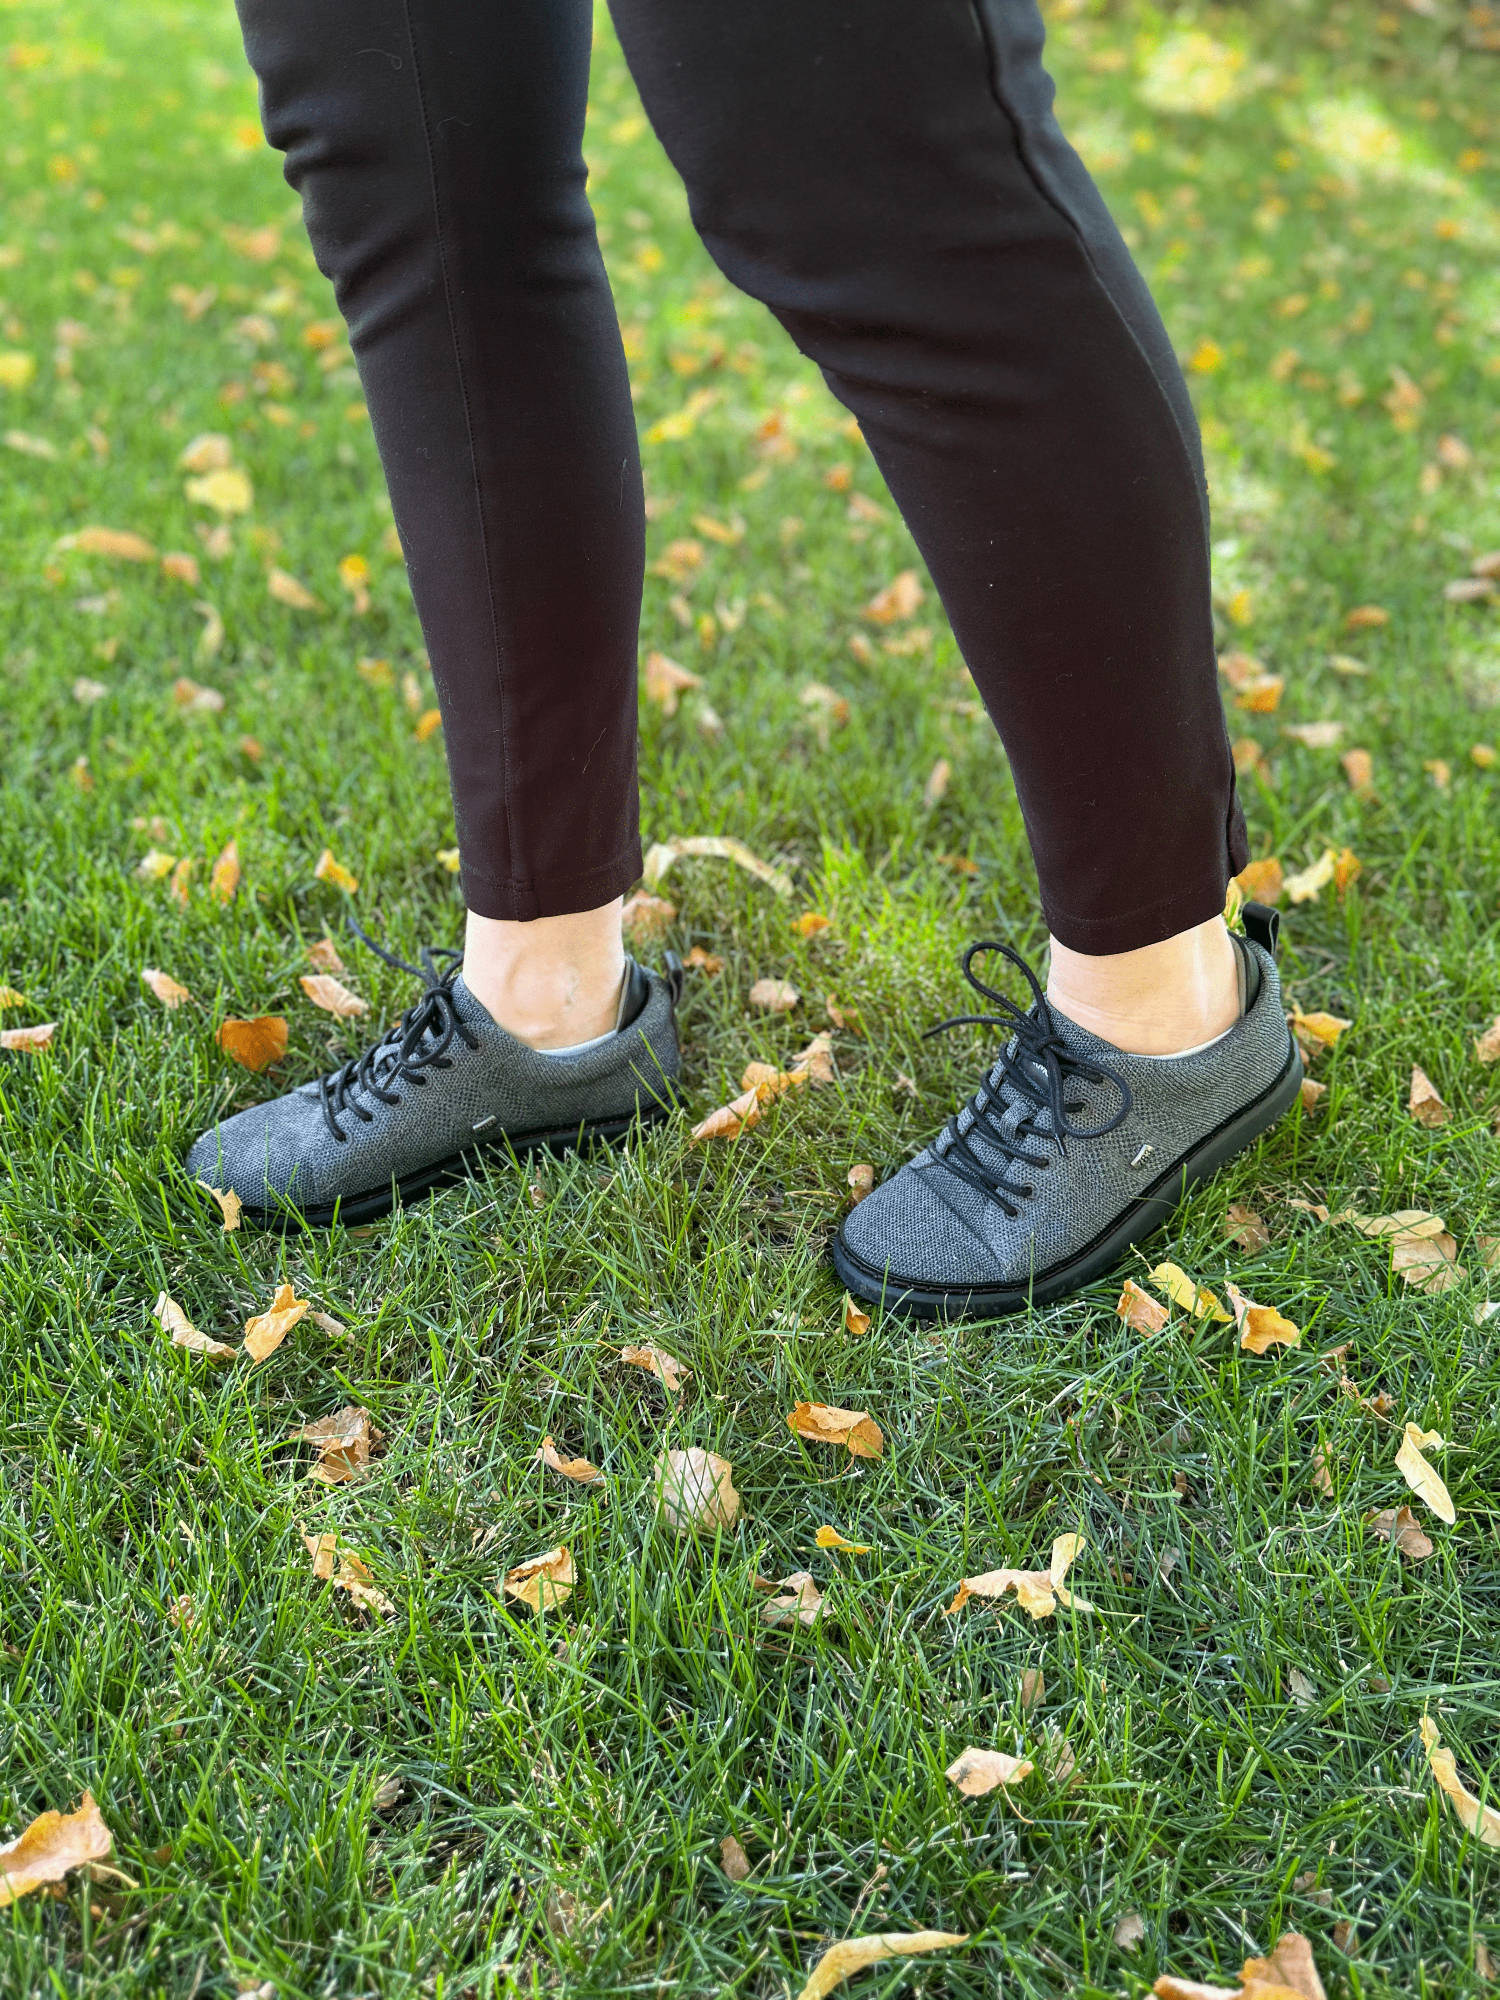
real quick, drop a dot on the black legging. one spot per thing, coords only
(890, 181)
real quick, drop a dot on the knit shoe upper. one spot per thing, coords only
(444, 1082)
(1003, 1200)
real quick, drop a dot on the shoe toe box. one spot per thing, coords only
(264, 1153)
(906, 1233)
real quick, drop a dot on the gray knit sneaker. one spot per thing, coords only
(1069, 1151)
(442, 1086)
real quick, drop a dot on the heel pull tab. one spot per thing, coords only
(675, 977)
(1262, 926)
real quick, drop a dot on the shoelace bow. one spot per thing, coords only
(1035, 1066)
(418, 1041)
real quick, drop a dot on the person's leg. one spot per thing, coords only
(437, 149)
(892, 183)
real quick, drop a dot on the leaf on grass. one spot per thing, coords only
(226, 491)
(30, 1039)
(842, 1961)
(699, 960)
(1424, 1479)
(545, 1581)
(938, 779)
(821, 1423)
(266, 1331)
(9, 997)
(345, 1571)
(861, 1182)
(1262, 881)
(830, 1538)
(332, 996)
(1424, 1104)
(165, 987)
(1427, 1263)
(810, 924)
(256, 1044)
(170, 1317)
(1307, 883)
(1174, 1283)
(154, 864)
(1033, 1688)
(286, 589)
(856, 1320)
(733, 1859)
(695, 1490)
(1261, 696)
(1038, 1591)
(89, 691)
(1288, 1974)
(1261, 1327)
(191, 699)
(1304, 1692)
(578, 1469)
(1399, 1525)
(210, 451)
(182, 1612)
(1322, 1477)
(1413, 1224)
(1487, 1045)
(900, 598)
(117, 542)
(644, 919)
(1130, 1930)
(229, 1205)
(345, 1441)
(1314, 735)
(326, 869)
(711, 847)
(225, 878)
(1317, 1032)
(1139, 1310)
(1481, 1820)
(774, 996)
(800, 1604)
(668, 1371)
(1243, 1226)
(54, 1844)
(1359, 769)
(976, 1772)
(815, 1062)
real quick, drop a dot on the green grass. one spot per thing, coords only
(562, 1804)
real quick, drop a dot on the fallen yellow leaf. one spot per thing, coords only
(165, 988)
(823, 1424)
(1359, 769)
(117, 542)
(711, 847)
(229, 1206)
(29, 1039)
(48, 1849)
(1319, 1030)
(1261, 1326)
(1423, 1479)
(774, 996)
(976, 1772)
(1487, 1045)
(225, 878)
(326, 869)
(254, 1044)
(668, 1371)
(1481, 1820)
(1174, 1283)
(899, 599)
(1425, 1105)
(800, 1604)
(1288, 1974)
(1038, 1591)
(1262, 881)
(830, 1538)
(1139, 1310)
(345, 1441)
(545, 1581)
(346, 1571)
(332, 996)
(856, 1321)
(172, 1319)
(226, 491)
(694, 1489)
(1307, 883)
(210, 451)
(579, 1469)
(842, 1960)
(285, 588)
(1261, 696)
(266, 1331)
(666, 682)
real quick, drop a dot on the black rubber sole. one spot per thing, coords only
(353, 1209)
(1154, 1208)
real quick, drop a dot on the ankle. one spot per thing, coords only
(553, 982)
(1156, 1001)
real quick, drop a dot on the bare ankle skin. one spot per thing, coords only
(552, 982)
(1155, 1001)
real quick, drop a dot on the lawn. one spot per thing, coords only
(311, 1795)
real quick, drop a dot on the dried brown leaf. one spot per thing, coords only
(579, 1469)
(1425, 1105)
(165, 987)
(1311, 1094)
(776, 996)
(1139, 1310)
(695, 1490)
(323, 955)
(1400, 1525)
(266, 1331)
(667, 1370)
(1243, 1226)
(900, 598)
(645, 919)
(1033, 1688)
(977, 1772)
(733, 1858)
(345, 1441)
(856, 1319)
(801, 1602)
(545, 1581)
(50, 1847)
(821, 1423)
(332, 995)
(666, 682)
(256, 1044)
(1261, 1327)
(861, 1181)
(172, 1319)
(346, 1571)
(225, 878)
(842, 1961)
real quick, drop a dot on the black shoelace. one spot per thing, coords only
(419, 1041)
(1034, 1068)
